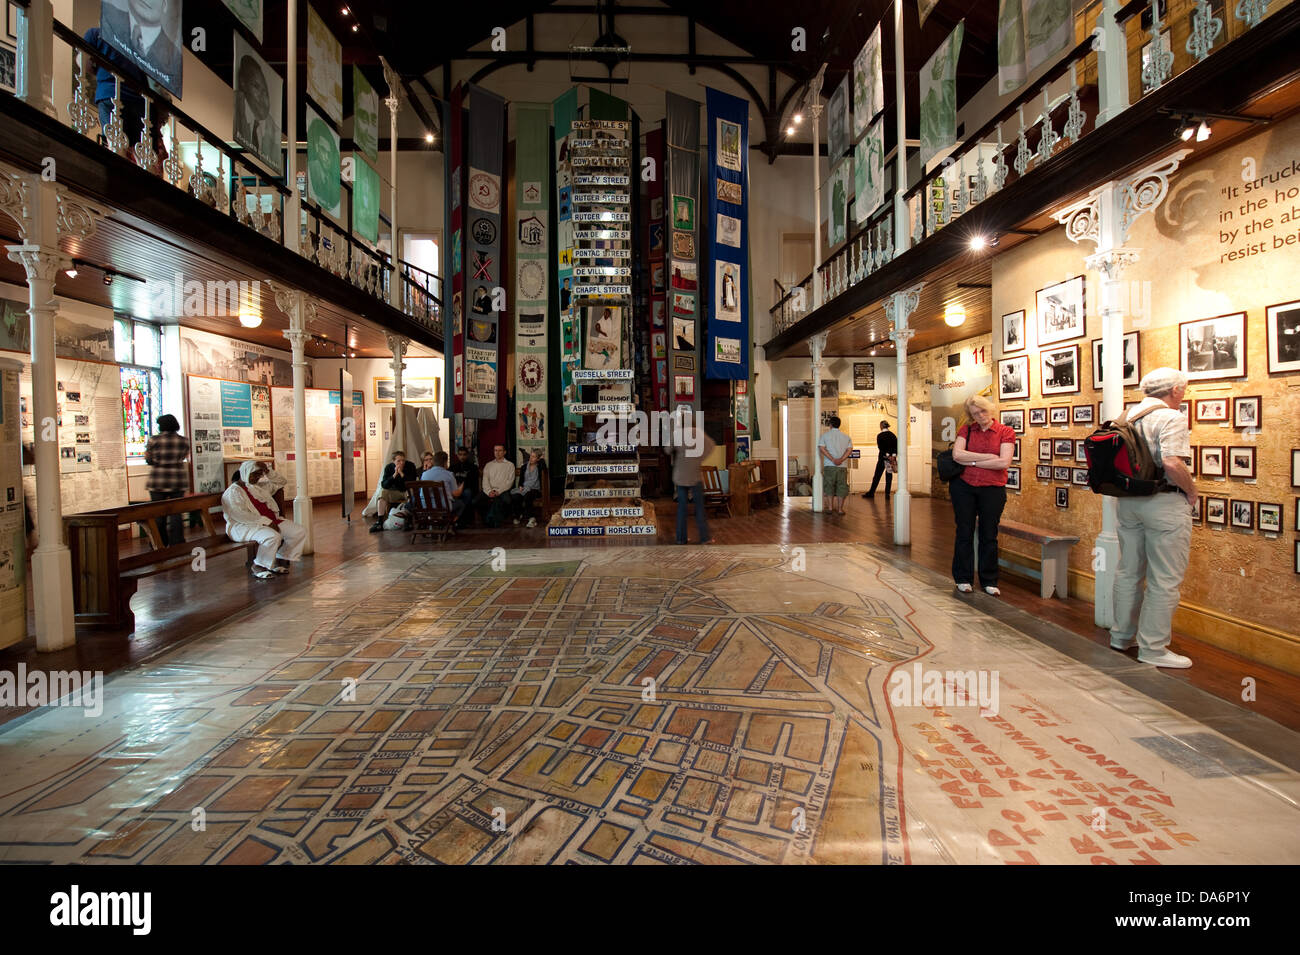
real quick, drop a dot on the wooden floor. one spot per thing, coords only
(175, 607)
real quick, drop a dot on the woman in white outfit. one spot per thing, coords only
(252, 515)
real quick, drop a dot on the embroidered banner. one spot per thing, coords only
(565, 109)
(656, 246)
(727, 348)
(532, 218)
(681, 188)
(456, 341)
(485, 292)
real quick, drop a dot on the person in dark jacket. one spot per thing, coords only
(392, 486)
(465, 471)
(169, 477)
(132, 99)
(887, 453)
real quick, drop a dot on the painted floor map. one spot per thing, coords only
(630, 705)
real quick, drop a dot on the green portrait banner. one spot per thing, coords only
(365, 116)
(939, 96)
(365, 201)
(324, 167)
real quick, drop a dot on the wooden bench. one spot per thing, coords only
(104, 580)
(764, 485)
(1055, 554)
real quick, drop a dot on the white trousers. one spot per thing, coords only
(1155, 539)
(287, 541)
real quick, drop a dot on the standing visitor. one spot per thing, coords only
(984, 446)
(886, 460)
(690, 449)
(1155, 533)
(835, 448)
(252, 515)
(168, 476)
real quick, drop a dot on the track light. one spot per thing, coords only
(108, 278)
(72, 272)
(978, 242)
(1203, 132)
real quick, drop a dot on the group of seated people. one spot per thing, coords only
(492, 495)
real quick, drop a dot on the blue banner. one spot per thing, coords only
(236, 405)
(726, 353)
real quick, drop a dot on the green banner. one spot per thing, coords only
(531, 229)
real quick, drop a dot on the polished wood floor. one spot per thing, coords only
(175, 607)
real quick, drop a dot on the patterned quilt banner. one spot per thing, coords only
(726, 353)
(532, 219)
(681, 190)
(456, 188)
(485, 298)
(656, 247)
(565, 108)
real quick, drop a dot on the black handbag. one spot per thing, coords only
(948, 466)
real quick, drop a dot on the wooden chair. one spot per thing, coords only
(797, 472)
(714, 495)
(430, 510)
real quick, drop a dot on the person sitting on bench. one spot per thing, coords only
(392, 486)
(437, 471)
(529, 490)
(252, 515)
(498, 479)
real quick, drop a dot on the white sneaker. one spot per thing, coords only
(993, 590)
(964, 588)
(532, 522)
(1165, 658)
(516, 522)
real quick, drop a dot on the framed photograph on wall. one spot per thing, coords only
(1080, 451)
(1191, 465)
(1132, 361)
(1212, 461)
(1013, 479)
(1270, 518)
(1297, 557)
(1283, 329)
(1015, 451)
(1198, 511)
(1044, 449)
(1247, 411)
(1242, 514)
(1079, 476)
(1015, 420)
(1061, 312)
(1037, 417)
(1060, 474)
(1061, 415)
(1060, 367)
(415, 391)
(1063, 447)
(1295, 467)
(1013, 378)
(1013, 332)
(1216, 510)
(1241, 462)
(1082, 414)
(1211, 410)
(1213, 348)
(1062, 497)
(1043, 472)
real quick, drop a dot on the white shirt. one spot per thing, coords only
(833, 444)
(498, 476)
(1164, 430)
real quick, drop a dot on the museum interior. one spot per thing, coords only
(415, 313)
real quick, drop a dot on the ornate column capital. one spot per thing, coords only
(298, 338)
(900, 337)
(1113, 262)
(79, 217)
(394, 98)
(900, 306)
(41, 264)
(816, 346)
(1141, 192)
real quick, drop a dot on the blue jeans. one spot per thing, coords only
(698, 491)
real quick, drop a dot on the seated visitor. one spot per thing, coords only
(393, 486)
(529, 490)
(426, 462)
(252, 515)
(498, 479)
(437, 471)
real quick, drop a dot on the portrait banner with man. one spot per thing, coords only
(148, 34)
(249, 13)
(324, 165)
(869, 172)
(259, 100)
(365, 200)
(365, 116)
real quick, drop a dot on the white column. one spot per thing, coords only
(393, 101)
(1112, 64)
(35, 66)
(397, 345)
(899, 308)
(300, 310)
(902, 233)
(293, 205)
(816, 345)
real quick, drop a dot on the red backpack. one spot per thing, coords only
(1119, 461)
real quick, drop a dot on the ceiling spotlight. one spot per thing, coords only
(1203, 132)
(72, 272)
(108, 278)
(355, 28)
(1186, 131)
(789, 130)
(797, 117)
(428, 137)
(978, 242)
(250, 319)
(954, 316)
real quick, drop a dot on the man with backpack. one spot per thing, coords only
(1155, 530)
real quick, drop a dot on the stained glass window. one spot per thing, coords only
(137, 408)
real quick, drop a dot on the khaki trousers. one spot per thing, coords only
(1155, 537)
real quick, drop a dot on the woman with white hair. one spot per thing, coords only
(984, 445)
(252, 515)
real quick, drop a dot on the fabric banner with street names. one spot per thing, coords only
(483, 206)
(1030, 32)
(532, 218)
(726, 353)
(939, 96)
(681, 188)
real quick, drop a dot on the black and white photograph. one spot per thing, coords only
(1212, 461)
(1061, 415)
(1241, 462)
(1062, 497)
(1079, 476)
(1198, 510)
(1242, 514)
(1132, 361)
(1212, 348)
(1013, 378)
(1060, 473)
(1060, 368)
(148, 34)
(1015, 451)
(1044, 449)
(1295, 467)
(1063, 447)
(259, 100)
(8, 68)
(1013, 332)
(1296, 564)
(1015, 420)
(1211, 409)
(1216, 510)
(1061, 312)
(1270, 518)
(1013, 479)
(1037, 417)
(1043, 472)
(1191, 465)
(793, 389)
(1246, 411)
(1283, 329)
(1082, 414)
(1080, 451)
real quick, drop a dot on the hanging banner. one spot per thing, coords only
(565, 110)
(838, 124)
(835, 199)
(868, 84)
(485, 294)
(656, 247)
(455, 342)
(924, 8)
(532, 218)
(939, 96)
(681, 187)
(869, 172)
(1011, 45)
(727, 347)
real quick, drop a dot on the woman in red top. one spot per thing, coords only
(984, 446)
